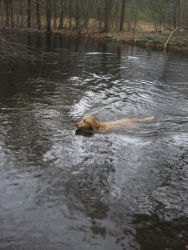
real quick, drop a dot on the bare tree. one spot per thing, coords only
(48, 15)
(136, 8)
(122, 15)
(70, 14)
(21, 12)
(61, 15)
(77, 14)
(55, 15)
(38, 15)
(29, 13)
(102, 15)
(171, 34)
(108, 5)
(179, 11)
(12, 14)
(7, 5)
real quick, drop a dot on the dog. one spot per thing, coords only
(90, 123)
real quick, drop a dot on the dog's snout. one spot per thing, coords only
(76, 124)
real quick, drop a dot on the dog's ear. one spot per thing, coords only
(95, 125)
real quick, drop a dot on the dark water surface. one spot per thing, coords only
(64, 190)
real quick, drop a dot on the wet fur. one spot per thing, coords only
(89, 122)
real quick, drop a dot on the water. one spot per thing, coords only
(60, 189)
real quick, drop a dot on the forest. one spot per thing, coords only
(93, 15)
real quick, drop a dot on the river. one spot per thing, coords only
(62, 189)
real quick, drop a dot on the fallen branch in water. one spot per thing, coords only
(171, 34)
(15, 51)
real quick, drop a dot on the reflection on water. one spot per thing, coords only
(84, 132)
(62, 188)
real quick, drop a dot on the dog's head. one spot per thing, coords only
(88, 122)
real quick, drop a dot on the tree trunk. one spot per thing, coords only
(171, 34)
(77, 15)
(61, 16)
(11, 14)
(28, 13)
(179, 11)
(174, 13)
(122, 15)
(55, 15)
(7, 4)
(38, 15)
(48, 15)
(21, 13)
(70, 14)
(106, 16)
(108, 6)
(135, 22)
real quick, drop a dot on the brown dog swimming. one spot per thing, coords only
(89, 122)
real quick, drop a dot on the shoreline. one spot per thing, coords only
(150, 40)
(145, 39)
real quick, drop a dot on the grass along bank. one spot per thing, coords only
(150, 39)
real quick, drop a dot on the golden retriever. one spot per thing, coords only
(89, 122)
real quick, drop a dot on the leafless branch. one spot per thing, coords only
(15, 51)
(171, 34)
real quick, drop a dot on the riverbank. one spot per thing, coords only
(146, 39)
(150, 39)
